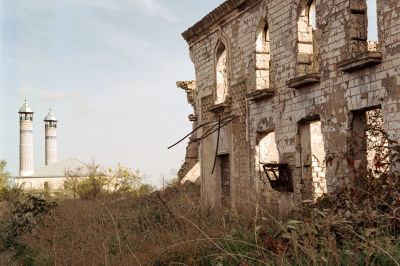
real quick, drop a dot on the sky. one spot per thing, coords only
(108, 69)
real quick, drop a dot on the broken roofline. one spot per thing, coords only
(214, 17)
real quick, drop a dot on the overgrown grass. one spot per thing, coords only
(350, 227)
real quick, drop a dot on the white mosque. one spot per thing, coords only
(51, 176)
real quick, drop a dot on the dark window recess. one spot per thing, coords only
(46, 185)
(279, 176)
(225, 180)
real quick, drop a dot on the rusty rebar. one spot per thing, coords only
(216, 149)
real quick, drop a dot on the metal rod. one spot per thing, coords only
(212, 128)
(216, 150)
(231, 118)
(194, 130)
(225, 121)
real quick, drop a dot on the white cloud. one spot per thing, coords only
(82, 103)
(151, 7)
(51, 96)
(120, 41)
(155, 9)
(79, 102)
(25, 92)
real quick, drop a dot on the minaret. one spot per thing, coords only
(50, 138)
(25, 140)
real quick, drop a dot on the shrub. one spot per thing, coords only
(91, 183)
(91, 187)
(143, 190)
(124, 180)
(4, 175)
(12, 194)
(27, 212)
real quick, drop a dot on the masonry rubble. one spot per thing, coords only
(190, 170)
(300, 76)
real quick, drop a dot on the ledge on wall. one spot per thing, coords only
(192, 118)
(220, 107)
(304, 80)
(258, 95)
(361, 61)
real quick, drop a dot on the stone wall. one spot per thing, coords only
(326, 82)
(41, 183)
(190, 169)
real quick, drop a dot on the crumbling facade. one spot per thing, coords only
(190, 170)
(299, 77)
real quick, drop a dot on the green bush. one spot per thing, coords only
(88, 182)
(11, 194)
(4, 175)
(91, 187)
(124, 180)
(91, 181)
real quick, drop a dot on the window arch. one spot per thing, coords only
(312, 14)
(372, 31)
(262, 42)
(221, 73)
(266, 150)
(263, 57)
(306, 24)
(363, 28)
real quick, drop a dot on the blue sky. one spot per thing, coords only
(108, 69)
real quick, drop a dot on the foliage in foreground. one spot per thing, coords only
(349, 227)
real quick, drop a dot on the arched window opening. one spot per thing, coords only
(263, 39)
(306, 24)
(221, 74)
(263, 57)
(372, 25)
(363, 30)
(312, 14)
(266, 151)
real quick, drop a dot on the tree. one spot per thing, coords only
(87, 182)
(4, 175)
(72, 179)
(8, 193)
(94, 182)
(124, 180)
(90, 181)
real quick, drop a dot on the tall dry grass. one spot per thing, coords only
(172, 228)
(160, 229)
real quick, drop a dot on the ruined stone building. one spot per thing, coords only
(298, 78)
